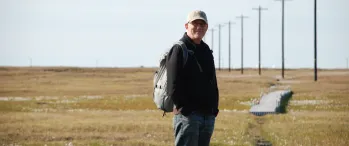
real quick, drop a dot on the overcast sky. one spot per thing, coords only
(132, 33)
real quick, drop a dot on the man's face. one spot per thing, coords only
(196, 29)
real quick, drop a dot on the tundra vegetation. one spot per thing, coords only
(113, 106)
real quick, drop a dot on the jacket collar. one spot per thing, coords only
(188, 41)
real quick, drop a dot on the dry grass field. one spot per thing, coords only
(113, 106)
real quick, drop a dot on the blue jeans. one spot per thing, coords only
(193, 130)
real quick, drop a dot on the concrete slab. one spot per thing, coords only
(271, 103)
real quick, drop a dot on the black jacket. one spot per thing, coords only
(190, 89)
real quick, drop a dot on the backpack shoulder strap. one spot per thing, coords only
(184, 50)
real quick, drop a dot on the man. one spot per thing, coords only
(193, 87)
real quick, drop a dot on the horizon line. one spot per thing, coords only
(149, 67)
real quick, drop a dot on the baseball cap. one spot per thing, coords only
(195, 15)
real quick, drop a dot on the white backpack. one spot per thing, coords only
(160, 97)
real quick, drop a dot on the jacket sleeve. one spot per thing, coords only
(174, 66)
(216, 85)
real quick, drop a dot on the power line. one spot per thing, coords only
(259, 37)
(242, 41)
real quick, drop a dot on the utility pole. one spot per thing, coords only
(229, 44)
(259, 37)
(30, 61)
(347, 63)
(315, 42)
(242, 41)
(219, 46)
(283, 57)
(97, 62)
(212, 41)
(229, 23)
(282, 36)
